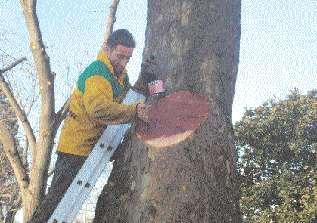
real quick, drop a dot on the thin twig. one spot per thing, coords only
(18, 111)
(13, 102)
(9, 67)
(61, 114)
(12, 154)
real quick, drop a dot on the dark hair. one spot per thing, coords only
(122, 37)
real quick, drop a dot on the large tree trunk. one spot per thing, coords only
(197, 46)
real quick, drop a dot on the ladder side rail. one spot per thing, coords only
(77, 193)
(94, 162)
(96, 174)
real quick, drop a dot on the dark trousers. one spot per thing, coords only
(66, 168)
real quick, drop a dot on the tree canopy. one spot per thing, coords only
(277, 145)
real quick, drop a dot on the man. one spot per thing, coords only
(94, 104)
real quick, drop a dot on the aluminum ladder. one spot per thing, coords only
(93, 167)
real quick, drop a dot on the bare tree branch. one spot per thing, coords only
(42, 64)
(25, 154)
(42, 154)
(111, 19)
(12, 154)
(9, 67)
(61, 114)
(18, 110)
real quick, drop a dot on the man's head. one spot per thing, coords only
(119, 48)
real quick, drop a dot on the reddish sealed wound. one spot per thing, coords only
(173, 119)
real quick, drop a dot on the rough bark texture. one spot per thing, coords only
(32, 186)
(111, 19)
(41, 152)
(196, 44)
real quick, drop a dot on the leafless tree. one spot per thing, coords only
(32, 181)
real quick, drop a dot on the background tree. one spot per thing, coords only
(196, 45)
(32, 181)
(10, 198)
(277, 143)
(9, 192)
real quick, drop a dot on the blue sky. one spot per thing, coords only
(278, 43)
(278, 50)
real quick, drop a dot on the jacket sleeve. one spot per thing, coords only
(100, 106)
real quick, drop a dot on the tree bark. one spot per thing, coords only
(111, 19)
(9, 147)
(41, 153)
(196, 45)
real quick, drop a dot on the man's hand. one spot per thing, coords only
(143, 112)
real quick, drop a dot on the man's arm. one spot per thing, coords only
(100, 106)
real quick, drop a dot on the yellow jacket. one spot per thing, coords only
(94, 104)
